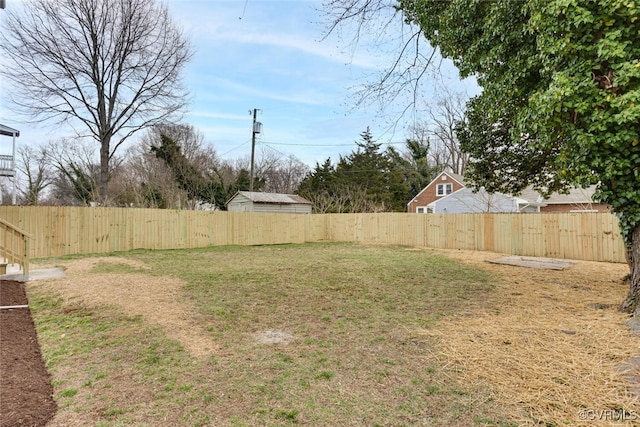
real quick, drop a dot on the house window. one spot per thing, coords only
(443, 189)
(420, 210)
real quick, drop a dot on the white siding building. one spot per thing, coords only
(247, 201)
(466, 201)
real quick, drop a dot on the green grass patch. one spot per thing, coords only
(115, 267)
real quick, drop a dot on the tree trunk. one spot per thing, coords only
(103, 179)
(633, 257)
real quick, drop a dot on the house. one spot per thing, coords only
(447, 193)
(248, 201)
(8, 161)
(444, 184)
(466, 200)
(577, 200)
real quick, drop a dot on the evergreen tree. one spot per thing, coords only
(414, 166)
(319, 187)
(366, 180)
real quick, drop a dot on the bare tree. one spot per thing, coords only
(76, 176)
(481, 201)
(33, 163)
(281, 174)
(275, 172)
(107, 67)
(438, 132)
(5, 190)
(444, 117)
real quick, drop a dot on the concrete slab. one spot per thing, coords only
(534, 262)
(14, 272)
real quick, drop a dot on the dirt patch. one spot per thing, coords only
(272, 337)
(26, 394)
(157, 299)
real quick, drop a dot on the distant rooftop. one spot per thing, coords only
(575, 196)
(276, 198)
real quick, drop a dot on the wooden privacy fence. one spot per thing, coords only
(77, 230)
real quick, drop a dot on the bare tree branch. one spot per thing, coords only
(412, 56)
(33, 163)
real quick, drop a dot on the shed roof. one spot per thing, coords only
(273, 198)
(7, 131)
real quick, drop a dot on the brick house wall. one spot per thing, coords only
(430, 192)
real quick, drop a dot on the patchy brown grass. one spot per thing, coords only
(551, 347)
(331, 334)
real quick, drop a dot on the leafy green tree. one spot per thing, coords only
(242, 182)
(198, 186)
(153, 197)
(321, 178)
(561, 97)
(74, 184)
(148, 181)
(365, 169)
(372, 171)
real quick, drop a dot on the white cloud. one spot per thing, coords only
(270, 24)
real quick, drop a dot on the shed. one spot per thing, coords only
(248, 201)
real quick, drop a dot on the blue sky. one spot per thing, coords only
(268, 55)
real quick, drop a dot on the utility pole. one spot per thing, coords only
(255, 128)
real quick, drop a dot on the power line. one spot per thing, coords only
(306, 145)
(276, 150)
(325, 145)
(234, 148)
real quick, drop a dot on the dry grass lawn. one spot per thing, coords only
(552, 346)
(333, 334)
